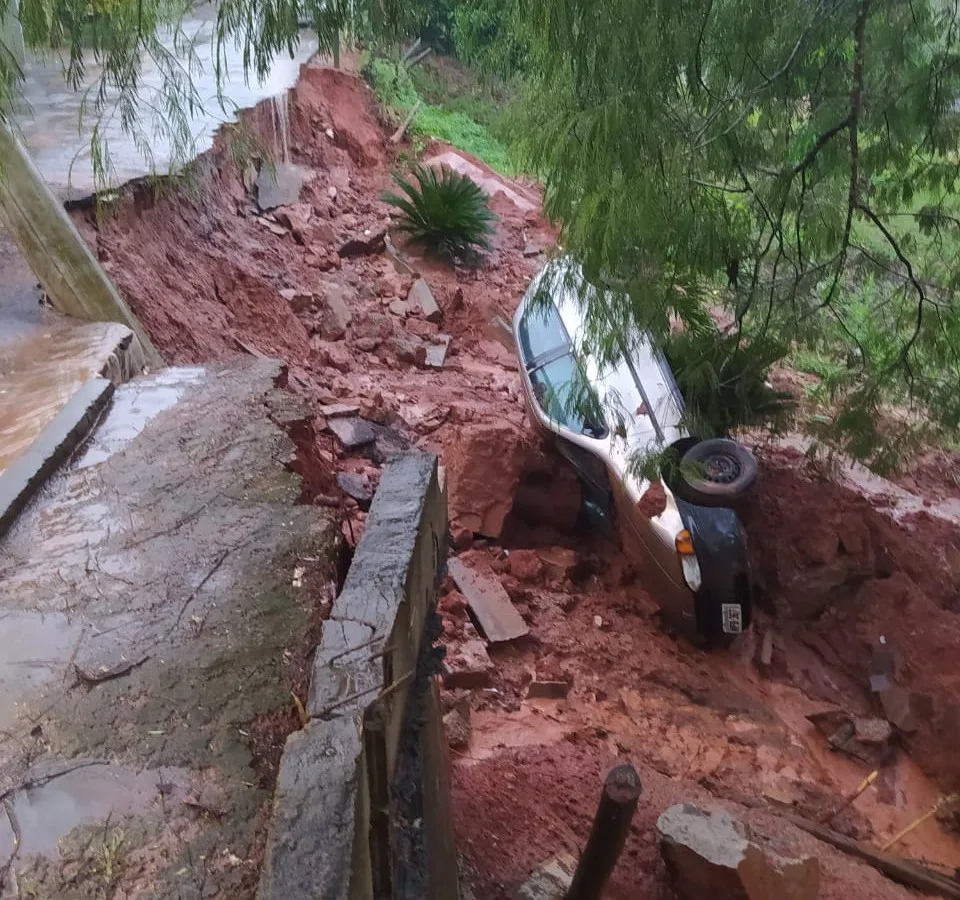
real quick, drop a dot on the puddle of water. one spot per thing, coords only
(41, 373)
(134, 405)
(35, 648)
(87, 796)
(50, 113)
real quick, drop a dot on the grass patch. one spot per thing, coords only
(459, 113)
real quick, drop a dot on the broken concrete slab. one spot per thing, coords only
(421, 298)
(176, 533)
(550, 880)
(352, 432)
(279, 185)
(316, 815)
(707, 854)
(489, 603)
(339, 410)
(69, 428)
(437, 351)
(468, 667)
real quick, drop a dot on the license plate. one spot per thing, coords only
(732, 614)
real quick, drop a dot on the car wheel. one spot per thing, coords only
(717, 472)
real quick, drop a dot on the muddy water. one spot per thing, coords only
(41, 372)
(50, 111)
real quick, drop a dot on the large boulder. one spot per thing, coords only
(707, 854)
(483, 470)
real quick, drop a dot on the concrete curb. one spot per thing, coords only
(330, 834)
(52, 448)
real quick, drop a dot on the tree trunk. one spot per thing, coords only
(54, 249)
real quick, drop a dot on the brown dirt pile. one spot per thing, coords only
(598, 680)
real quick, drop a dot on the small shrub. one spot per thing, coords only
(445, 212)
(723, 379)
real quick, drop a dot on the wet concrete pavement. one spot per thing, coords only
(146, 623)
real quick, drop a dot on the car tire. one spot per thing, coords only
(717, 472)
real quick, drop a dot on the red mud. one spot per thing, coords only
(204, 272)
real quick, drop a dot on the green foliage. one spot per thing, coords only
(806, 152)
(444, 211)
(723, 378)
(395, 90)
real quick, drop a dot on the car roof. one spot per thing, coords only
(640, 377)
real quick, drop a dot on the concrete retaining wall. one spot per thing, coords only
(332, 820)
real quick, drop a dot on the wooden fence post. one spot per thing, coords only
(53, 248)
(618, 803)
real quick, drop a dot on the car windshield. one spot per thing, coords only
(564, 396)
(541, 332)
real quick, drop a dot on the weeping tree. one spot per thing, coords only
(795, 162)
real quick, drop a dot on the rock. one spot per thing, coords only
(560, 562)
(352, 433)
(407, 349)
(367, 344)
(339, 410)
(357, 487)
(548, 690)
(458, 729)
(483, 470)
(399, 308)
(707, 854)
(468, 666)
(453, 603)
(335, 315)
(364, 245)
(897, 703)
(865, 738)
(550, 880)
(336, 356)
(279, 186)
(323, 233)
(531, 249)
(332, 192)
(297, 219)
(654, 500)
(373, 325)
(437, 351)
(421, 297)
(388, 285)
(300, 301)
(274, 227)
(525, 565)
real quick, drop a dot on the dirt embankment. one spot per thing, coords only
(849, 593)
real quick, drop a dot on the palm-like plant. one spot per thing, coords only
(444, 211)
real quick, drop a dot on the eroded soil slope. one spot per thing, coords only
(849, 593)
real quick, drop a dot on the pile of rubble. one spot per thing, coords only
(556, 663)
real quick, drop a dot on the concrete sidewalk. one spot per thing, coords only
(150, 617)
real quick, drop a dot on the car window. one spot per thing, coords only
(541, 331)
(557, 386)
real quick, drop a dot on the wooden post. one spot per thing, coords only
(53, 248)
(618, 803)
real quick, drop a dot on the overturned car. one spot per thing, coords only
(603, 417)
